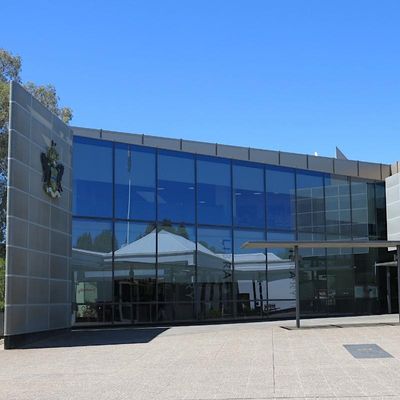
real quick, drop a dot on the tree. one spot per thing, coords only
(10, 70)
(85, 242)
(103, 241)
(47, 95)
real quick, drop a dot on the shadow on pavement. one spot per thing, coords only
(97, 337)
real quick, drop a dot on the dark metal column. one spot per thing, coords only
(398, 276)
(297, 273)
(388, 290)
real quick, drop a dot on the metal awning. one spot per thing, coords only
(298, 244)
(321, 244)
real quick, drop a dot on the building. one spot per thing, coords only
(150, 230)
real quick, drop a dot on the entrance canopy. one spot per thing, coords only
(296, 245)
(322, 244)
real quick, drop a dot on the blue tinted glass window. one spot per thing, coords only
(134, 262)
(363, 209)
(248, 196)
(337, 208)
(280, 186)
(250, 270)
(176, 191)
(214, 194)
(380, 200)
(214, 272)
(91, 262)
(92, 177)
(310, 203)
(281, 276)
(135, 182)
(176, 262)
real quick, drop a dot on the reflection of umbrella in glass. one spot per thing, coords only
(180, 252)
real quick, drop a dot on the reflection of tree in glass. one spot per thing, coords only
(101, 243)
(180, 230)
(85, 242)
(149, 228)
(208, 246)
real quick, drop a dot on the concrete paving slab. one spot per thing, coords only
(231, 361)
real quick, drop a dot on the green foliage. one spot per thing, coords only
(4, 101)
(2, 283)
(85, 242)
(180, 230)
(10, 66)
(47, 95)
(101, 243)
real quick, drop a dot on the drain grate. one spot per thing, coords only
(370, 350)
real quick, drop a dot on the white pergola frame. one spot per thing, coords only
(296, 245)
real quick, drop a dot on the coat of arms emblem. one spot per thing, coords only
(52, 171)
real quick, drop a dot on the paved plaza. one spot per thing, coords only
(266, 360)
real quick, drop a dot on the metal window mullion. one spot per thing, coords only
(350, 180)
(265, 250)
(156, 227)
(113, 234)
(232, 242)
(196, 286)
(296, 256)
(325, 237)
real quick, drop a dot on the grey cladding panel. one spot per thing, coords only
(86, 132)
(58, 292)
(264, 156)
(293, 160)
(34, 217)
(346, 167)
(20, 119)
(129, 138)
(392, 181)
(39, 238)
(59, 315)
(40, 134)
(162, 143)
(235, 152)
(322, 164)
(17, 203)
(61, 131)
(39, 211)
(199, 147)
(21, 96)
(15, 319)
(385, 171)
(392, 194)
(17, 261)
(41, 113)
(38, 264)
(369, 170)
(38, 317)
(17, 290)
(394, 168)
(59, 244)
(58, 267)
(19, 146)
(59, 219)
(38, 291)
(18, 174)
(17, 232)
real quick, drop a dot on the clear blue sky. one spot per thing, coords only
(299, 76)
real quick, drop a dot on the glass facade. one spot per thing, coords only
(158, 235)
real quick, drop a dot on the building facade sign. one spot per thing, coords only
(53, 171)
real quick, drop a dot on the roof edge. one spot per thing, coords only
(353, 168)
